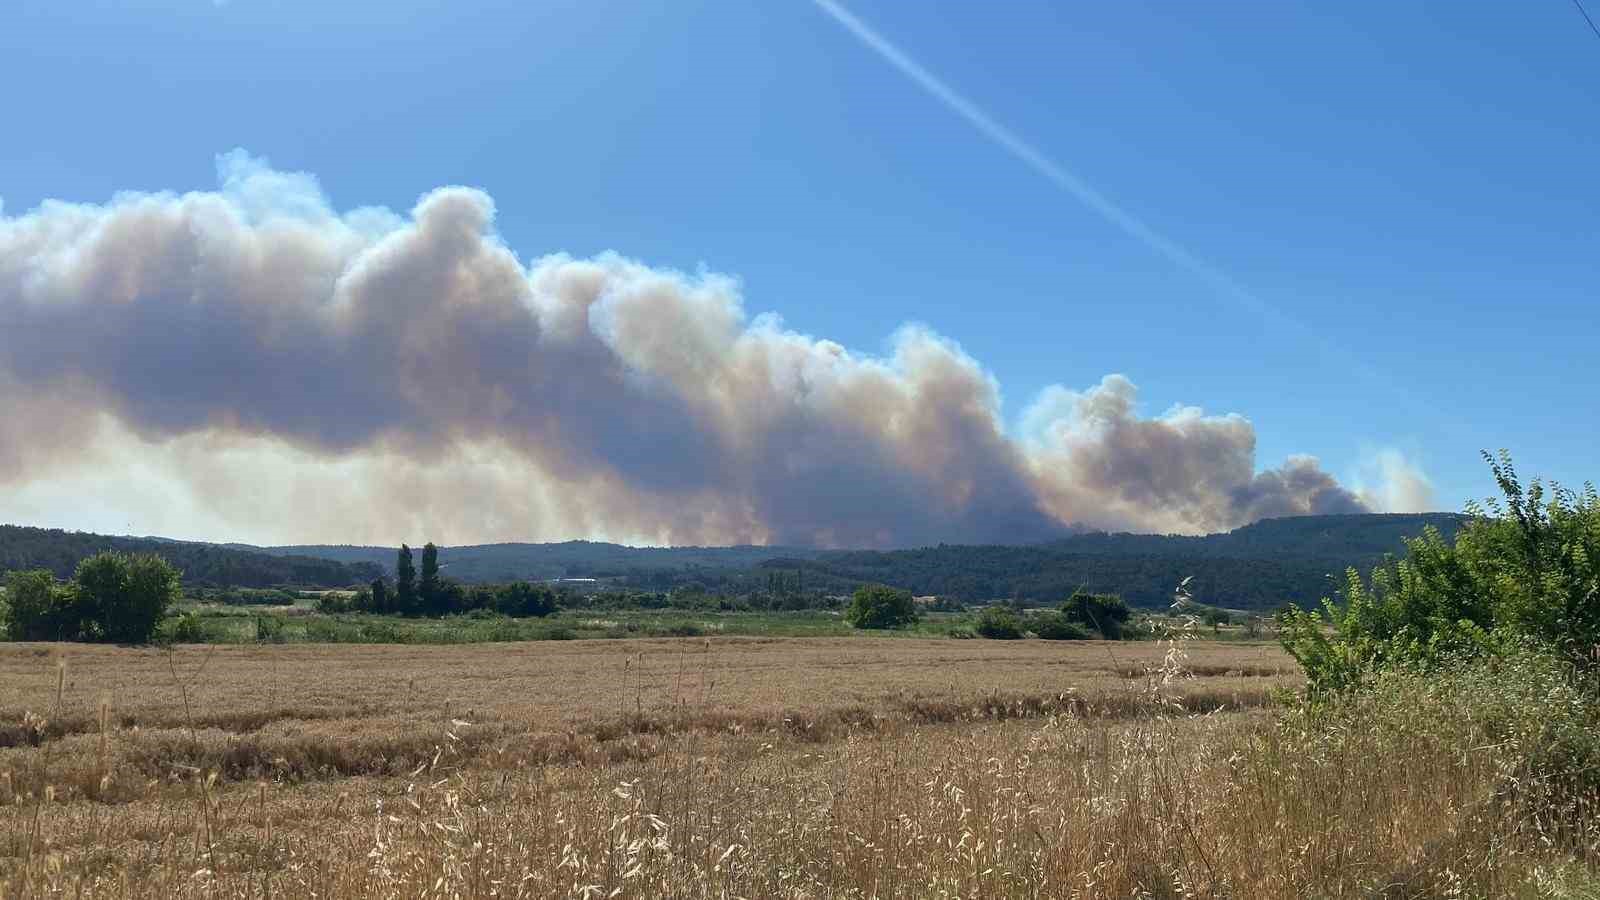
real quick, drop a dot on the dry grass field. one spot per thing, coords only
(724, 768)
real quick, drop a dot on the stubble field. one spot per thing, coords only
(708, 768)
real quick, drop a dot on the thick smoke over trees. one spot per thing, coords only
(253, 348)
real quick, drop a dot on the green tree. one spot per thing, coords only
(430, 595)
(1105, 613)
(40, 609)
(522, 598)
(1216, 618)
(881, 606)
(112, 597)
(151, 586)
(999, 623)
(405, 583)
(1055, 626)
(1525, 568)
(381, 601)
(99, 583)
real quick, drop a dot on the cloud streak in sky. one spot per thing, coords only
(1219, 281)
(284, 371)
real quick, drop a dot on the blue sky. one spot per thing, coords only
(1411, 187)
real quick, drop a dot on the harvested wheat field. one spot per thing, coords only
(730, 767)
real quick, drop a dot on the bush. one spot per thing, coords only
(1053, 626)
(1527, 713)
(1523, 569)
(183, 629)
(999, 623)
(41, 609)
(879, 606)
(112, 597)
(247, 596)
(1105, 613)
(520, 599)
(269, 630)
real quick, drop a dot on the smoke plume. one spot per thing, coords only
(254, 356)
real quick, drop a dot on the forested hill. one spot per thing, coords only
(1360, 539)
(206, 565)
(582, 559)
(1258, 566)
(1255, 567)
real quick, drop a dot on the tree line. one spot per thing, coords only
(1080, 617)
(427, 594)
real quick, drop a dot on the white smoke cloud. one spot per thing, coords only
(288, 372)
(1390, 481)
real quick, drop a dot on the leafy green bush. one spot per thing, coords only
(1054, 626)
(269, 630)
(40, 609)
(999, 623)
(519, 599)
(385, 633)
(333, 631)
(881, 606)
(1105, 613)
(183, 629)
(112, 597)
(247, 596)
(1525, 569)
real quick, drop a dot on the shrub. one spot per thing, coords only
(384, 633)
(41, 609)
(183, 629)
(1525, 569)
(126, 596)
(112, 597)
(269, 630)
(334, 602)
(1527, 713)
(1053, 626)
(519, 598)
(880, 606)
(999, 623)
(1105, 613)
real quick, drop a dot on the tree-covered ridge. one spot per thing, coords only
(1264, 564)
(202, 565)
(566, 559)
(1260, 566)
(1334, 537)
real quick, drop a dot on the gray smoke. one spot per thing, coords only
(251, 341)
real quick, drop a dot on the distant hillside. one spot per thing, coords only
(1258, 566)
(585, 559)
(1255, 567)
(1360, 539)
(204, 565)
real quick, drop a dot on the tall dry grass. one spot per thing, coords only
(1421, 791)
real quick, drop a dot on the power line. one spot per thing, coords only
(1592, 27)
